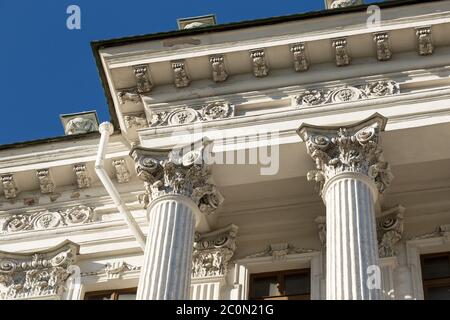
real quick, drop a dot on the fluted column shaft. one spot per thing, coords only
(166, 271)
(351, 237)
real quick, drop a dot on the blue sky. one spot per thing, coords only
(47, 70)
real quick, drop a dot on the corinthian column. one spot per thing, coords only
(350, 173)
(179, 195)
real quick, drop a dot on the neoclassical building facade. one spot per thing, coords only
(297, 157)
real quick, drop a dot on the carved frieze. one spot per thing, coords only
(353, 148)
(341, 52)
(279, 251)
(425, 41)
(376, 89)
(9, 186)
(82, 175)
(135, 120)
(441, 231)
(45, 181)
(44, 220)
(143, 83)
(300, 60)
(178, 171)
(121, 170)
(186, 115)
(389, 230)
(219, 73)
(113, 270)
(383, 46)
(181, 77)
(36, 275)
(260, 68)
(213, 252)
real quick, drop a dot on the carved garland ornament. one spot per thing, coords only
(347, 149)
(37, 275)
(44, 220)
(317, 97)
(180, 116)
(213, 252)
(178, 171)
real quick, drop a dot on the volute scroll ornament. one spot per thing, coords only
(40, 275)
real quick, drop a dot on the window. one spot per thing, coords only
(281, 285)
(123, 294)
(436, 276)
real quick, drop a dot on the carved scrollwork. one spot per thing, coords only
(347, 149)
(389, 230)
(36, 275)
(44, 220)
(213, 251)
(186, 115)
(345, 94)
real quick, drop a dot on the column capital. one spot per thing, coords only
(183, 171)
(347, 149)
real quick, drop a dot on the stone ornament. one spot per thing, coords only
(376, 89)
(219, 73)
(341, 52)
(383, 46)
(83, 179)
(9, 186)
(46, 183)
(260, 68)
(186, 115)
(80, 125)
(181, 77)
(181, 171)
(300, 61)
(322, 228)
(389, 230)
(129, 95)
(44, 220)
(343, 3)
(121, 170)
(354, 148)
(112, 270)
(143, 83)
(36, 275)
(441, 231)
(425, 41)
(279, 251)
(213, 252)
(135, 120)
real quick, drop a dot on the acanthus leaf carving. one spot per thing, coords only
(180, 171)
(219, 72)
(425, 41)
(300, 60)
(342, 55)
(36, 275)
(389, 230)
(135, 120)
(9, 186)
(353, 148)
(213, 252)
(129, 95)
(46, 183)
(180, 73)
(142, 75)
(260, 68)
(384, 51)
